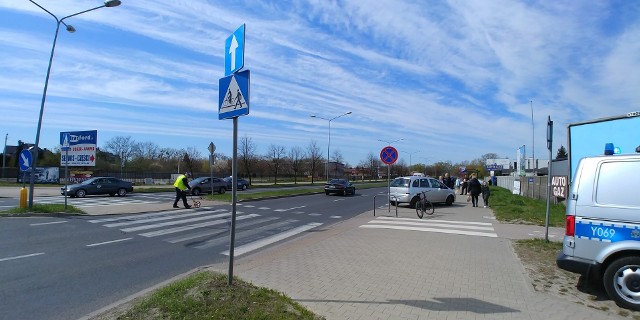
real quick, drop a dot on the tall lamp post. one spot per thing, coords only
(71, 29)
(326, 168)
(533, 142)
(410, 154)
(4, 154)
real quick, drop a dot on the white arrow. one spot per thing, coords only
(25, 160)
(232, 51)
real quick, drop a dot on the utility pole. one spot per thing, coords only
(4, 154)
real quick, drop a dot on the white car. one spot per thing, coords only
(407, 189)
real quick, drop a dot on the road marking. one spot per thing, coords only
(162, 218)
(264, 208)
(20, 257)
(335, 217)
(107, 242)
(470, 228)
(248, 233)
(283, 210)
(267, 241)
(173, 223)
(210, 233)
(193, 226)
(46, 223)
(315, 214)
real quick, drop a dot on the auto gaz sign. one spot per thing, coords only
(81, 146)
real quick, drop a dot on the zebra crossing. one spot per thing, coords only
(98, 201)
(468, 228)
(209, 228)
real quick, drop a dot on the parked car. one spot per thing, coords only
(242, 183)
(407, 189)
(340, 186)
(204, 185)
(99, 185)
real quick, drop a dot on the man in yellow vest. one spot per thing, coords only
(182, 184)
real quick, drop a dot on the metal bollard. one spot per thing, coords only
(23, 197)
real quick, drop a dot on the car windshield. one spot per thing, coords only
(338, 181)
(400, 182)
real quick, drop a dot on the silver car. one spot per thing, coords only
(407, 189)
(204, 185)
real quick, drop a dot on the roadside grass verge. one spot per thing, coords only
(283, 193)
(513, 208)
(206, 295)
(47, 208)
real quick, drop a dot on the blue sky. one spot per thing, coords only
(454, 79)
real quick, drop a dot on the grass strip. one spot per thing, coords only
(46, 208)
(513, 208)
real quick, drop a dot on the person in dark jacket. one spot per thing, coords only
(464, 186)
(475, 188)
(448, 181)
(486, 193)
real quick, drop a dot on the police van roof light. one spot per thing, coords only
(608, 149)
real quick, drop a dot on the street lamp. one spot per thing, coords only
(326, 168)
(533, 144)
(410, 154)
(4, 154)
(71, 29)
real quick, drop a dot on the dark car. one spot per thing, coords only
(99, 185)
(204, 185)
(242, 183)
(339, 186)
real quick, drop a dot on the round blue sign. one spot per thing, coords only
(389, 155)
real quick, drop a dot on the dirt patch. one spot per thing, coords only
(539, 259)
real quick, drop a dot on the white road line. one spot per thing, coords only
(468, 233)
(315, 214)
(168, 217)
(445, 221)
(247, 205)
(194, 226)
(20, 257)
(423, 223)
(267, 241)
(137, 216)
(107, 242)
(283, 210)
(247, 233)
(264, 208)
(46, 223)
(335, 217)
(173, 223)
(216, 232)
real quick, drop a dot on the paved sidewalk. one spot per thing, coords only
(350, 272)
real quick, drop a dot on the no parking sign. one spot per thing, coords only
(389, 155)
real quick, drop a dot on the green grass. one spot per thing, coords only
(47, 208)
(513, 208)
(206, 295)
(284, 193)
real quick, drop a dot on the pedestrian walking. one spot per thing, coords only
(447, 180)
(475, 188)
(464, 185)
(486, 193)
(182, 185)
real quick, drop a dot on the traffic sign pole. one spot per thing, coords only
(389, 155)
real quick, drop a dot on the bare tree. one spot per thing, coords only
(373, 163)
(247, 155)
(191, 159)
(314, 156)
(337, 160)
(146, 150)
(295, 156)
(122, 147)
(276, 157)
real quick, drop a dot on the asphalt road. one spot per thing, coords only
(67, 267)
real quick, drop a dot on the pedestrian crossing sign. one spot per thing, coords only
(233, 95)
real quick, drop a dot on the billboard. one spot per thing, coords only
(79, 148)
(497, 164)
(42, 175)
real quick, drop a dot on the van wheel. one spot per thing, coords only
(449, 200)
(622, 282)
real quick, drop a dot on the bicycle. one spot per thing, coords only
(423, 205)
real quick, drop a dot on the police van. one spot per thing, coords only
(602, 234)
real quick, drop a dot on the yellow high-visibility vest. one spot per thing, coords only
(180, 183)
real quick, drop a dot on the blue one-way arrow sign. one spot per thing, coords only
(25, 160)
(234, 52)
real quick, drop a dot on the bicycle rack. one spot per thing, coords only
(388, 204)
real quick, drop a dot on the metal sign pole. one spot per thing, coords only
(389, 188)
(234, 189)
(549, 146)
(66, 176)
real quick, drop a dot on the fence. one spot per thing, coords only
(534, 187)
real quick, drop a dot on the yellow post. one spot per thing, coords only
(23, 197)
